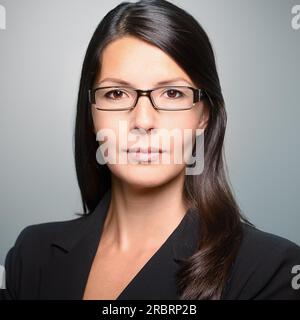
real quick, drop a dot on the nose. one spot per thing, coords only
(144, 114)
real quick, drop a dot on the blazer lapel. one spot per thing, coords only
(65, 275)
(157, 278)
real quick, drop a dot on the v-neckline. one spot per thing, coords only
(152, 258)
(144, 268)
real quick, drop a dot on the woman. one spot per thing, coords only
(149, 230)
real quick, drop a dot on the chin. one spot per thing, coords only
(145, 175)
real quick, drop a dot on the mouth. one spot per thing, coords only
(149, 154)
(148, 150)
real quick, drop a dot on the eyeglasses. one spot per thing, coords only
(170, 98)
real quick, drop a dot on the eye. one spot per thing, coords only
(117, 94)
(172, 93)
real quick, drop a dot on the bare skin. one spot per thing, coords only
(147, 200)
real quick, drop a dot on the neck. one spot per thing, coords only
(143, 216)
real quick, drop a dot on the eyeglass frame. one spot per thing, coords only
(198, 95)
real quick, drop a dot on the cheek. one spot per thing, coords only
(101, 120)
(187, 119)
(185, 124)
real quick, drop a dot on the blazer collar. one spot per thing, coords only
(65, 274)
(73, 231)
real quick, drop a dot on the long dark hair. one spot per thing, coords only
(173, 30)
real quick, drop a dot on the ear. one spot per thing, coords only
(204, 118)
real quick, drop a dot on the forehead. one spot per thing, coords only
(138, 62)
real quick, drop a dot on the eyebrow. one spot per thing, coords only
(163, 82)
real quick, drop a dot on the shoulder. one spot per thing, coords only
(31, 250)
(265, 267)
(34, 249)
(38, 235)
(259, 243)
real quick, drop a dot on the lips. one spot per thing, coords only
(145, 150)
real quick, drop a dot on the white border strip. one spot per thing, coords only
(2, 277)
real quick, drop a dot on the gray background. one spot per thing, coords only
(41, 53)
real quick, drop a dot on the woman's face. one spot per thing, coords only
(143, 66)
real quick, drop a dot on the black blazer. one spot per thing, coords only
(52, 261)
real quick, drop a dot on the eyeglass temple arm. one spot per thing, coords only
(201, 93)
(91, 96)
